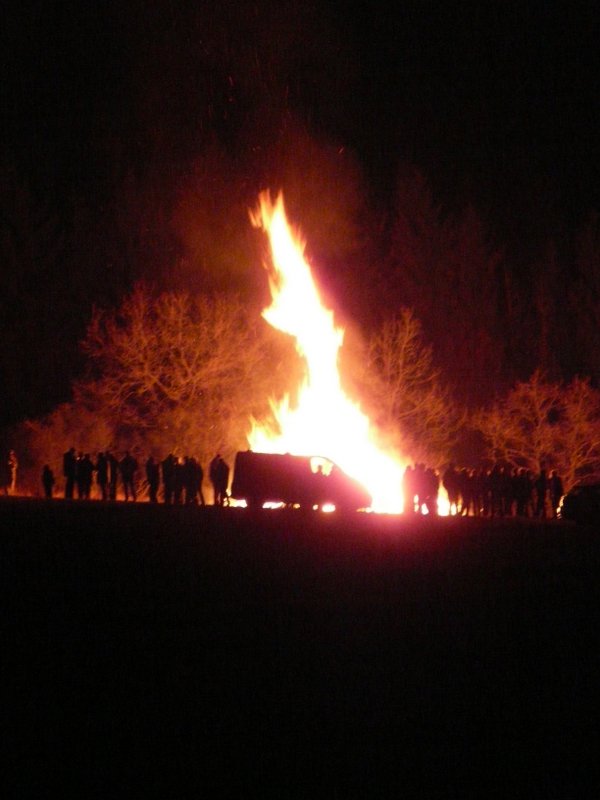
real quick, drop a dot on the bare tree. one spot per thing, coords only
(184, 373)
(404, 391)
(540, 424)
(580, 431)
(44, 440)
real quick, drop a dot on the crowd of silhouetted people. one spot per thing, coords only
(178, 480)
(175, 480)
(497, 492)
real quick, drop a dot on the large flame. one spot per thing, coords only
(324, 421)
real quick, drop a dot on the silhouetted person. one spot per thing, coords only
(168, 478)
(178, 480)
(516, 486)
(495, 483)
(102, 475)
(466, 491)
(219, 477)
(70, 472)
(213, 474)
(153, 478)
(408, 489)
(556, 490)
(531, 492)
(48, 482)
(506, 492)
(541, 489)
(128, 467)
(319, 487)
(450, 479)
(194, 476)
(113, 475)
(484, 486)
(420, 486)
(223, 482)
(85, 474)
(79, 475)
(199, 478)
(431, 486)
(522, 492)
(188, 481)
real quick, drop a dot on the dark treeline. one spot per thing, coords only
(139, 138)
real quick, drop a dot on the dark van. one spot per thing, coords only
(305, 481)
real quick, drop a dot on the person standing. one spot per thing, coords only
(168, 478)
(522, 492)
(85, 475)
(113, 475)
(450, 481)
(128, 468)
(408, 490)
(153, 478)
(199, 478)
(79, 476)
(178, 480)
(102, 475)
(541, 489)
(213, 474)
(193, 482)
(223, 482)
(432, 488)
(218, 473)
(69, 472)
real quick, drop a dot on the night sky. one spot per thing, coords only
(497, 104)
(486, 98)
(493, 100)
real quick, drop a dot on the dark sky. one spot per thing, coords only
(490, 97)
(496, 102)
(485, 97)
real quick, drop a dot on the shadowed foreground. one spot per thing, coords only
(177, 651)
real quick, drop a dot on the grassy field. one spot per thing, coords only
(222, 653)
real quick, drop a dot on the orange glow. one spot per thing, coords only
(324, 421)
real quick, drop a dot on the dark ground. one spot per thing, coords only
(217, 653)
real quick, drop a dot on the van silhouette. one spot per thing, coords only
(305, 481)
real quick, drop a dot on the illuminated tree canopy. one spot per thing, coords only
(404, 391)
(172, 373)
(545, 425)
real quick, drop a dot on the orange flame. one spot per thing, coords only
(324, 421)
